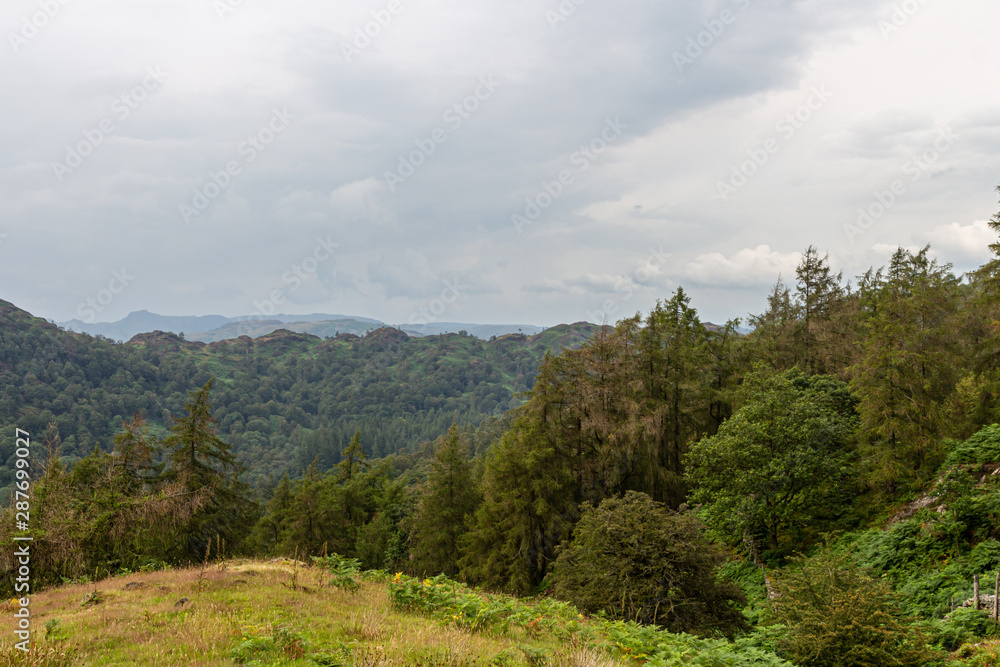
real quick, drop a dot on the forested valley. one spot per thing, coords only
(819, 491)
(280, 400)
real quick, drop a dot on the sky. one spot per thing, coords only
(496, 161)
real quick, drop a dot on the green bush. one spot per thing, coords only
(637, 560)
(343, 570)
(836, 615)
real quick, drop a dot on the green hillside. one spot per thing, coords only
(255, 329)
(281, 400)
(285, 612)
(822, 491)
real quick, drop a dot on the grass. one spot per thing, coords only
(262, 613)
(284, 612)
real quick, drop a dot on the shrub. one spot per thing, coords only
(637, 560)
(836, 615)
(472, 610)
(343, 570)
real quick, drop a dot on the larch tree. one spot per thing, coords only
(528, 509)
(773, 338)
(818, 291)
(670, 361)
(907, 374)
(985, 321)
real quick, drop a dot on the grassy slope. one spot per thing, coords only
(245, 601)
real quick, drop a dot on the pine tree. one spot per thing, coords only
(354, 461)
(773, 337)
(446, 502)
(205, 466)
(277, 515)
(907, 374)
(311, 519)
(136, 452)
(673, 401)
(984, 330)
(818, 291)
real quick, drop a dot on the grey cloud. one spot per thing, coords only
(325, 175)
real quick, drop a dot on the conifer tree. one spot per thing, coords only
(991, 270)
(205, 466)
(383, 542)
(354, 461)
(447, 501)
(309, 520)
(907, 373)
(528, 509)
(661, 371)
(985, 334)
(136, 452)
(724, 351)
(612, 416)
(818, 291)
(276, 516)
(773, 337)
(675, 388)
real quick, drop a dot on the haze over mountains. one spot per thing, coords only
(213, 328)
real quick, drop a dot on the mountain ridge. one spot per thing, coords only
(282, 399)
(213, 328)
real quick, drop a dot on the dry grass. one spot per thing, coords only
(584, 658)
(247, 602)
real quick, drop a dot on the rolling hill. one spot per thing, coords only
(282, 399)
(212, 328)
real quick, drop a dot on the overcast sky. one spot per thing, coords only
(529, 161)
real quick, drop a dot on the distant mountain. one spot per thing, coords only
(321, 317)
(143, 321)
(484, 331)
(212, 328)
